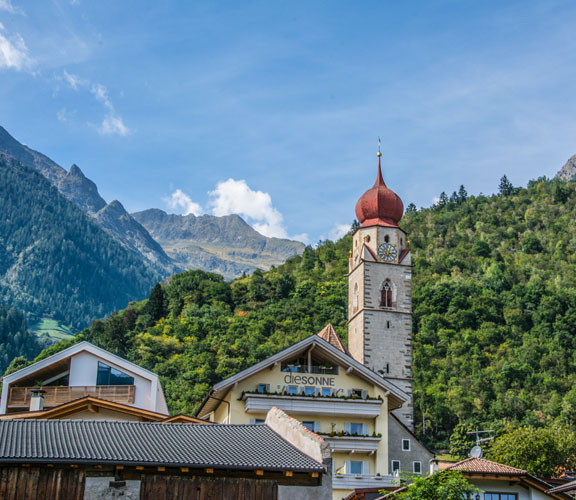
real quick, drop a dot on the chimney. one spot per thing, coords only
(37, 400)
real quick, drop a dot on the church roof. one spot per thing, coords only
(329, 335)
(379, 206)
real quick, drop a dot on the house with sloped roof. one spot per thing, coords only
(102, 459)
(499, 482)
(335, 397)
(79, 371)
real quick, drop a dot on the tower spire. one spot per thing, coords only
(379, 178)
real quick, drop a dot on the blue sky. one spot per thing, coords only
(273, 108)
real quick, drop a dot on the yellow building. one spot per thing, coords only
(333, 395)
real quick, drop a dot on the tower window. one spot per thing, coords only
(387, 324)
(386, 238)
(386, 295)
(367, 238)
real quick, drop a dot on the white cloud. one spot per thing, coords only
(64, 115)
(6, 5)
(338, 231)
(13, 51)
(112, 123)
(302, 237)
(236, 197)
(181, 201)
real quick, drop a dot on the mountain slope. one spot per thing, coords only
(226, 245)
(54, 260)
(75, 186)
(494, 300)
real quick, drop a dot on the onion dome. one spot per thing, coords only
(379, 206)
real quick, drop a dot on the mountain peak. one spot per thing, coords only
(75, 171)
(568, 171)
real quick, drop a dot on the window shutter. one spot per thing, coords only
(252, 421)
(348, 428)
(365, 429)
(364, 394)
(347, 467)
(349, 392)
(316, 426)
(365, 468)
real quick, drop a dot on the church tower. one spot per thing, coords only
(380, 291)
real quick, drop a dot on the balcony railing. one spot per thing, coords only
(303, 405)
(353, 481)
(19, 397)
(353, 444)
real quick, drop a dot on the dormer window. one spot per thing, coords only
(110, 376)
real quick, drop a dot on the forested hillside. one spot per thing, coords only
(15, 339)
(494, 298)
(56, 262)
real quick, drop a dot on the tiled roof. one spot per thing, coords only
(329, 335)
(483, 466)
(245, 447)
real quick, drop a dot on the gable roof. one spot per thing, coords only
(156, 393)
(236, 447)
(329, 335)
(396, 396)
(482, 466)
(76, 349)
(94, 404)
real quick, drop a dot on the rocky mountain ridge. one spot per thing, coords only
(568, 171)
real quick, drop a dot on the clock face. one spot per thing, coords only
(387, 252)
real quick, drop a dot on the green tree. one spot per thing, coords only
(542, 451)
(156, 305)
(505, 187)
(442, 485)
(461, 442)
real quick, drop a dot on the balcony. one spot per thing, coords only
(19, 397)
(302, 405)
(353, 481)
(353, 444)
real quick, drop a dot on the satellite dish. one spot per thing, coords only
(476, 452)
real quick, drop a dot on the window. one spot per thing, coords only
(309, 425)
(309, 391)
(110, 376)
(395, 466)
(326, 391)
(405, 445)
(263, 388)
(500, 496)
(387, 324)
(356, 428)
(257, 421)
(386, 295)
(355, 393)
(417, 467)
(292, 389)
(386, 238)
(356, 467)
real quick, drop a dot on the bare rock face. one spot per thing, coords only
(117, 222)
(568, 171)
(81, 190)
(225, 245)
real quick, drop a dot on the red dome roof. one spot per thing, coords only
(379, 206)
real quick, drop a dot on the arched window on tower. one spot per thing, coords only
(355, 299)
(386, 295)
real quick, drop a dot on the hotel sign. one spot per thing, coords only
(309, 380)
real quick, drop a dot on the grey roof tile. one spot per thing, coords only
(150, 443)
